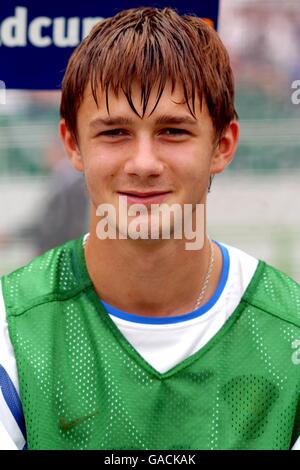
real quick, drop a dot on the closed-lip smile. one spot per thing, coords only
(142, 193)
(144, 197)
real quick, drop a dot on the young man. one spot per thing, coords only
(119, 341)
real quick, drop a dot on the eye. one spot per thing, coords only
(113, 133)
(174, 131)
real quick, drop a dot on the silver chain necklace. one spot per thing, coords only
(207, 277)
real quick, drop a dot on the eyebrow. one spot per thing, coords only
(160, 120)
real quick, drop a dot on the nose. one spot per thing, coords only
(144, 160)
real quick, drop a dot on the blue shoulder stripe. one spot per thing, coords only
(12, 399)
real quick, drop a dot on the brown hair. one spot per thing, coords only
(152, 46)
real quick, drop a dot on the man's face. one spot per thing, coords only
(165, 157)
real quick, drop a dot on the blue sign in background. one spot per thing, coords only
(34, 53)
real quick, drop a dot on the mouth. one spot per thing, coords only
(143, 197)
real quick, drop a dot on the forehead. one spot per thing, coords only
(171, 102)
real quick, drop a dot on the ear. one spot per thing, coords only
(225, 149)
(71, 146)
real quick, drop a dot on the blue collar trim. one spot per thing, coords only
(180, 318)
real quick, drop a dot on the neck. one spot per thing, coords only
(150, 277)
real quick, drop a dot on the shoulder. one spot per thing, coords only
(54, 275)
(275, 293)
(265, 287)
(12, 427)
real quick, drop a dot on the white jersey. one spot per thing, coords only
(163, 342)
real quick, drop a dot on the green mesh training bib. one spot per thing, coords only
(83, 386)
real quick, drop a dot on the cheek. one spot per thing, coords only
(191, 167)
(99, 171)
(100, 163)
(192, 174)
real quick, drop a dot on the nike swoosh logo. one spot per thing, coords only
(65, 426)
